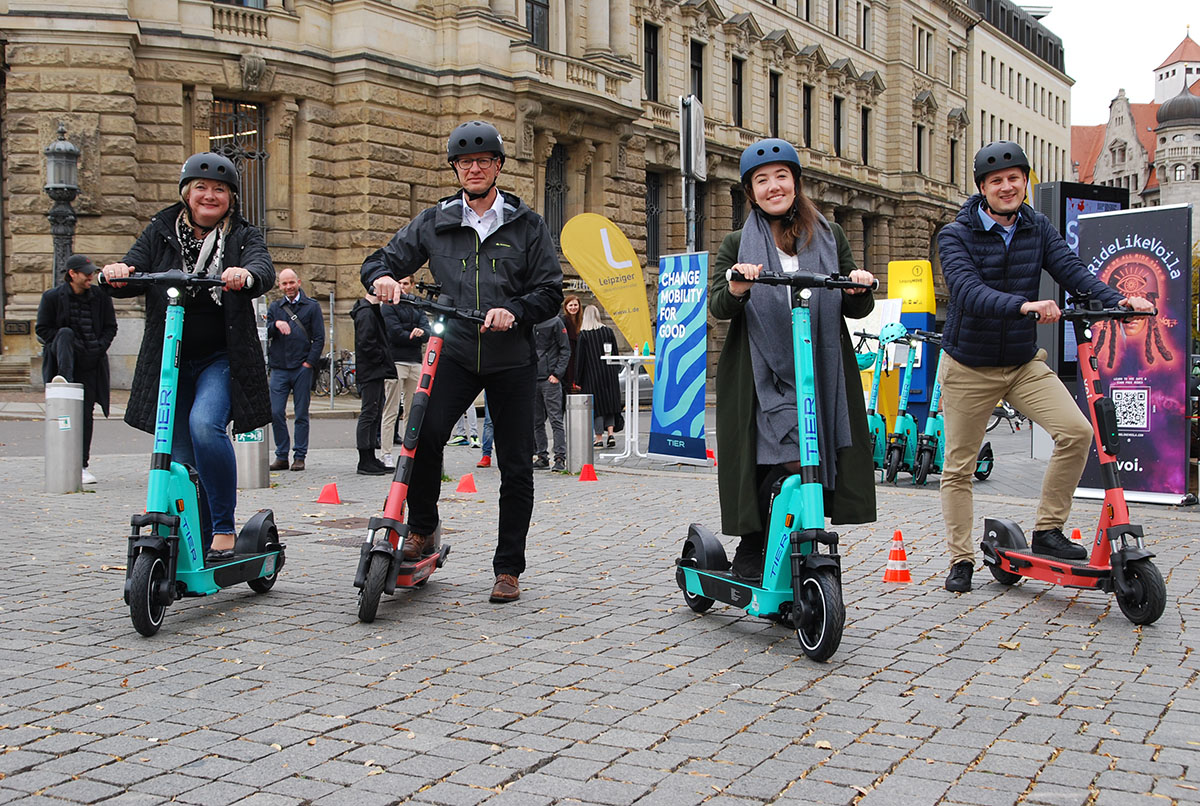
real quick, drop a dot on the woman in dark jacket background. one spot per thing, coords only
(222, 375)
(757, 422)
(597, 377)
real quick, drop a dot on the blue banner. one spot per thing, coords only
(681, 363)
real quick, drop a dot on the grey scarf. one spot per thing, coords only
(768, 316)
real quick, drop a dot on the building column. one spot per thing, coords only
(597, 28)
(505, 9)
(279, 168)
(853, 226)
(619, 25)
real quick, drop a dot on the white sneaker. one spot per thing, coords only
(88, 478)
(388, 462)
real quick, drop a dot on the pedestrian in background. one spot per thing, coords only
(295, 340)
(598, 377)
(77, 324)
(572, 316)
(485, 459)
(373, 366)
(553, 354)
(407, 333)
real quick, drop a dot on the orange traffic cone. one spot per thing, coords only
(466, 484)
(710, 455)
(329, 495)
(588, 473)
(1076, 536)
(897, 564)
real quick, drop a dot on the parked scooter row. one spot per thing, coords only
(919, 452)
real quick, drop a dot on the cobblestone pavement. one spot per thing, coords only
(599, 686)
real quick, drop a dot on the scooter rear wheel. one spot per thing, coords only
(263, 584)
(1002, 576)
(891, 464)
(368, 596)
(819, 615)
(924, 465)
(1150, 593)
(697, 603)
(146, 612)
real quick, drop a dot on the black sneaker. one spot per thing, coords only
(541, 463)
(559, 466)
(747, 567)
(959, 580)
(1055, 544)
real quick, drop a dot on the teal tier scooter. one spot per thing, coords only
(801, 582)
(931, 443)
(875, 421)
(167, 544)
(902, 442)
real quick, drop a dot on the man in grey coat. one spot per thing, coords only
(554, 353)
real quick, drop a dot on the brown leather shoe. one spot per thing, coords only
(506, 589)
(414, 545)
(298, 464)
(279, 464)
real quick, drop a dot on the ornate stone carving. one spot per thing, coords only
(575, 123)
(547, 147)
(624, 133)
(287, 119)
(254, 68)
(527, 112)
(202, 104)
(587, 151)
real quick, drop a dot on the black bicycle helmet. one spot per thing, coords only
(209, 165)
(473, 137)
(996, 157)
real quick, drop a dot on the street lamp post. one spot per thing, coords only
(62, 186)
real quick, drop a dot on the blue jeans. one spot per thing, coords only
(488, 433)
(298, 383)
(202, 415)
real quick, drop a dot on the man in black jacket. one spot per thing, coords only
(373, 366)
(295, 339)
(77, 323)
(992, 257)
(489, 252)
(553, 354)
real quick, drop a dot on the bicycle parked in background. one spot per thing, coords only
(1006, 413)
(341, 376)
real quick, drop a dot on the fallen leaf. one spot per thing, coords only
(824, 745)
(1072, 666)
(1009, 644)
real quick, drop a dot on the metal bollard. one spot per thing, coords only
(579, 432)
(250, 450)
(64, 436)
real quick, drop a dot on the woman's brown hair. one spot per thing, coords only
(801, 221)
(574, 321)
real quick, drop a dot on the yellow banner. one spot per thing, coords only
(606, 261)
(911, 281)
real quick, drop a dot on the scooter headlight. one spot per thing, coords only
(173, 292)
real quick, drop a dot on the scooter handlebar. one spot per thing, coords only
(172, 277)
(440, 307)
(1089, 312)
(802, 279)
(926, 335)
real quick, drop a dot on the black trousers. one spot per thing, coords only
(510, 402)
(366, 435)
(63, 356)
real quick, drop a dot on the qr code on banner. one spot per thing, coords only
(1133, 408)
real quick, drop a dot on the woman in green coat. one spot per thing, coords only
(757, 424)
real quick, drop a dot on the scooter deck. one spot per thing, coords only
(241, 568)
(722, 586)
(1048, 568)
(415, 574)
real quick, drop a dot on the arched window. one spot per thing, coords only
(1180, 173)
(1195, 171)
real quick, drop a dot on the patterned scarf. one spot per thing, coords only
(202, 258)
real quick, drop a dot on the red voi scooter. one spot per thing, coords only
(1119, 562)
(381, 564)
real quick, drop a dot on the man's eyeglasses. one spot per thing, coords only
(468, 162)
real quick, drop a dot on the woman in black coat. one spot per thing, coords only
(222, 375)
(373, 366)
(597, 377)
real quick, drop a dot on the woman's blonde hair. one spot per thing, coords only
(591, 318)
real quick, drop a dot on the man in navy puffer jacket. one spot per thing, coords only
(992, 256)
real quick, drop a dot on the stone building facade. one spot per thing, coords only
(339, 112)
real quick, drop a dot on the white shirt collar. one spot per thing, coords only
(487, 223)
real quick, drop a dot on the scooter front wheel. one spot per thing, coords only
(1149, 597)
(819, 615)
(263, 584)
(891, 465)
(984, 462)
(368, 596)
(924, 465)
(145, 609)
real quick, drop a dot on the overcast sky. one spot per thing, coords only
(1111, 44)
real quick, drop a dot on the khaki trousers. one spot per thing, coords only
(968, 396)
(405, 383)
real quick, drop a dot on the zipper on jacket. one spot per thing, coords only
(478, 335)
